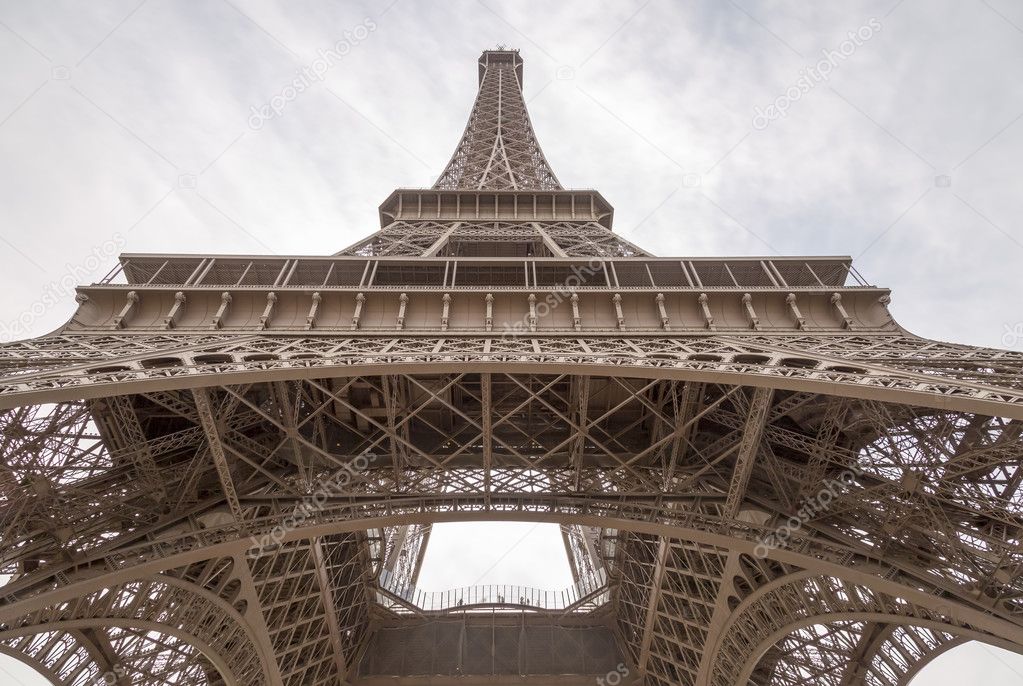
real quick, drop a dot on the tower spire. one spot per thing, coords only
(499, 150)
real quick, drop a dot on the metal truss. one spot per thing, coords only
(494, 239)
(883, 367)
(908, 482)
(401, 554)
(227, 469)
(151, 630)
(499, 149)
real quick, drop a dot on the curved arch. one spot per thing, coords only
(820, 564)
(158, 604)
(61, 655)
(183, 543)
(829, 376)
(888, 654)
(208, 651)
(929, 657)
(811, 599)
(962, 635)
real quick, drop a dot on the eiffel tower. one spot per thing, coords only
(224, 469)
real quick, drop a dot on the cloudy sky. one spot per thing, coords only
(128, 126)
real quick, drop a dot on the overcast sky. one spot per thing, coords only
(128, 126)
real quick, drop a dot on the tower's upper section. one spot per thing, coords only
(496, 245)
(499, 150)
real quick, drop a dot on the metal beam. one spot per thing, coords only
(216, 446)
(749, 445)
(653, 599)
(488, 433)
(329, 609)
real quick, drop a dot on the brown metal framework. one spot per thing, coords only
(225, 469)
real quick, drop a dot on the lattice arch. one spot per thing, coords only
(88, 671)
(840, 365)
(903, 674)
(157, 630)
(850, 651)
(831, 631)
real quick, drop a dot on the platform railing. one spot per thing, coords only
(497, 595)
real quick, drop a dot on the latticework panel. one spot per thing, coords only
(147, 632)
(840, 647)
(843, 364)
(401, 553)
(499, 149)
(589, 239)
(412, 238)
(499, 239)
(904, 484)
(314, 605)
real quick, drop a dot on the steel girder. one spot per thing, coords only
(927, 521)
(894, 368)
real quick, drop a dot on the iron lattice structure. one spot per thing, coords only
(225, 469)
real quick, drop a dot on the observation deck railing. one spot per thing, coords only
(590, 591)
